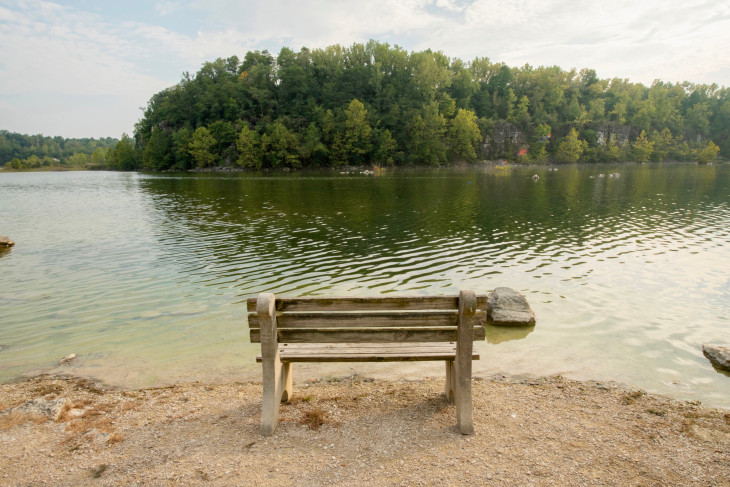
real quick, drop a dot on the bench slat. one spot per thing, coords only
(367, 303)
(371, 352)
(372, 335)
(365, 319)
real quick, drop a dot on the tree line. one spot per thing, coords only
(21, 151)
(378, 104)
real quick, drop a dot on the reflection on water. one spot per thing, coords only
(501, 334)
(144, 276)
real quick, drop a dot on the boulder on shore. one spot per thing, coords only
(6, 242)
(50, 408)
(718, 355)
(507, 307)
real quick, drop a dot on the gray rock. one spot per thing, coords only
(51, 408)
(718, 355)
(507, 307)
(6, 242)
(67, 359)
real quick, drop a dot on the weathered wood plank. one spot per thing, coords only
(369, 319)
(371, 352)
(368, 303)
(462, 362)
(373, 335)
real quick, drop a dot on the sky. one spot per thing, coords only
(83, 68)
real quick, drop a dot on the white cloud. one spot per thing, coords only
(54, 52)
(167, 8)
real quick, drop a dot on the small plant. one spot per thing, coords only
(314, 418)
(632, 396)
(115, 438)
(96, 472)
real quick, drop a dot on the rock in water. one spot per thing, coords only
(719, 356)
(67, 359)
(507, 307)
(6, 242)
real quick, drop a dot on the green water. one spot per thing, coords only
(144, 276)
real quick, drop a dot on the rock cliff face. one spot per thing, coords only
(622, 134)
(503, 140)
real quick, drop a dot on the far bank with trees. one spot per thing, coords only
(378, 104)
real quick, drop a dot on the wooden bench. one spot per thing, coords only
(377, 329)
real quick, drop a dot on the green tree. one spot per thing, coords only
(358, 132)
(280, 146)
(427, 132)
(642, 148)
(663, 143)
(201, 147)
(125, 157)
(464, 135)
(385, 146)
(570, 148)
(313, 149)
(540, 140)
(98, 157)
(33, 161)
(612, 151)
(249, 148)
(157, 154)
(708, 154)
(181, 140)
(78, 159)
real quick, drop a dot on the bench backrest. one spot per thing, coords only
(367, 319)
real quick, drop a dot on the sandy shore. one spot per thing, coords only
(356, 431)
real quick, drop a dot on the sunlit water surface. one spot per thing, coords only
(144, 276)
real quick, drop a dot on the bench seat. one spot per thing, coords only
(367, 352)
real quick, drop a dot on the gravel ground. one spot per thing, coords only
(355, 431)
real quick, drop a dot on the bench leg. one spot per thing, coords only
(286, 381)
(449, 381)
(462, 364)
(272, 382)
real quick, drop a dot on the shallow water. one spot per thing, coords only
(144, 276)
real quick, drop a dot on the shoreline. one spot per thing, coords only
(543, 431)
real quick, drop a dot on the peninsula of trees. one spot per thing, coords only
(21, 151)
(378, 104)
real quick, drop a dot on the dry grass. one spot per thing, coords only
(47, 389)
(14, 419)
(115, 438)
(632, 397)
(313, 418)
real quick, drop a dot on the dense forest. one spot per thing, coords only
(19, 151)
(379, 104)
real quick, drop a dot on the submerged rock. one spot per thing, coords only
(6, 242)
(67, 359)
(507, 307)
(719, 356)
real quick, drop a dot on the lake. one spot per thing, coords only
(144, 276)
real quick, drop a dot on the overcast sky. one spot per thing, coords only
(83, 68)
